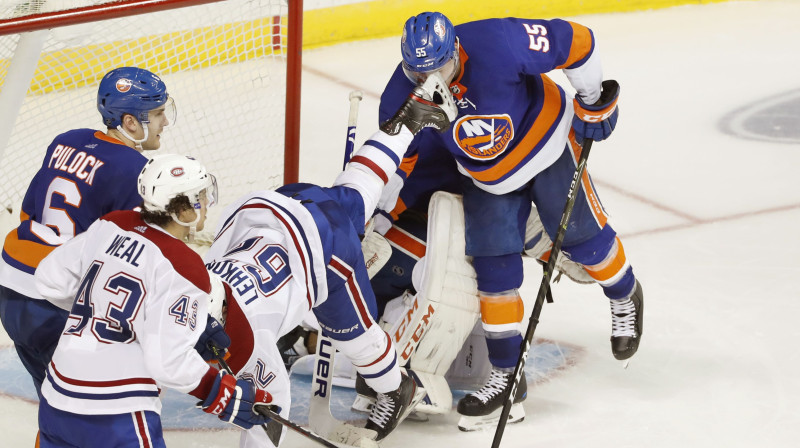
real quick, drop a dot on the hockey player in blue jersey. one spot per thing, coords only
(84, 175)
(516, 140)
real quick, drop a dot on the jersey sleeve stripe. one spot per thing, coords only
(384, 149)
(372, 167)
(582, 46)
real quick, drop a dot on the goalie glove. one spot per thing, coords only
(237, 402)
(597, 121)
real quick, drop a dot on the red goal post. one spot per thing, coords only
(232, 66)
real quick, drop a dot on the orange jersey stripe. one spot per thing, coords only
(611, 266)
(551, 109)
(406, 242)
(591, 195)
(408, 163)
(399, 207)
(499, 310)
(28, 253)
(581, 44)
(101, 136)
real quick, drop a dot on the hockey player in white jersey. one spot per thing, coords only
(138, 300)
(282, 253)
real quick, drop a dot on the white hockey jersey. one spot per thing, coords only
(269, 255)
(138, 301)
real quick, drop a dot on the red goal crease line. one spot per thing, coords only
(211, 46)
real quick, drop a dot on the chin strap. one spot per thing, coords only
(191, 225)
(137, 143)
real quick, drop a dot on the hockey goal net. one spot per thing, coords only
(224, 62)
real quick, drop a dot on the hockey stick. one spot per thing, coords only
(320, 418)
(352, 120)
(544, 289)
(274, 436)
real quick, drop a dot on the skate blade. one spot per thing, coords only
(625, 363)
(353, 436)
(473, 423)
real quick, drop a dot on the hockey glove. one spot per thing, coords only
(596, 121)
(213, 337)
(236, 401)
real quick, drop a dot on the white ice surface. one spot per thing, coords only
(708, 220)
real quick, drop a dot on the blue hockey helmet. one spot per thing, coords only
(130, 90)
(428, 43)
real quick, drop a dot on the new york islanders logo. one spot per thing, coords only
(123, 85)
(483, 137)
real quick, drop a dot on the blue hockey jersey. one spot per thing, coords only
(513, 120)
(84, 175)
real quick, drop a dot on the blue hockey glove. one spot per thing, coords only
(213, 336)
(236, 401)
(596, 121)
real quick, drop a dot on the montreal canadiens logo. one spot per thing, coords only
(483, 137)
(177, 172)
(123, 85)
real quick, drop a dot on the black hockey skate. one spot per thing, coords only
(365, 396)
(627, 323)
(483, 407)
(429, 105)
(393, 407)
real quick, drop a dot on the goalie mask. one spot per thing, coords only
(167, 176)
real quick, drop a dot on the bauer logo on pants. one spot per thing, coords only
(483, 137)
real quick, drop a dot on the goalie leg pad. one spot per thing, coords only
(446, 306)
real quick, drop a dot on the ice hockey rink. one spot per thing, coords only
(700, 180)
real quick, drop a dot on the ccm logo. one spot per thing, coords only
(593, 118)
(223, 402)
(177, 172)
(417, 334)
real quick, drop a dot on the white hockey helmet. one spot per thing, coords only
(167, 176)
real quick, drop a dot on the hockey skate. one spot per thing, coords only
(627, 323)
(429, 105)
(366, 398)
(483, 407)
(392, 408)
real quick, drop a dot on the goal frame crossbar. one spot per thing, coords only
(93, 13)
